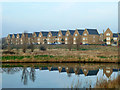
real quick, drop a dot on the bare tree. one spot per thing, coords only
(31, 43)
(24, 42)
(77, 43)
(70, 41)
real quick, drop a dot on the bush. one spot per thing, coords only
(43, 48)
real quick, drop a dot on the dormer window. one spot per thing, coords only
(108, 34)
(75, 34)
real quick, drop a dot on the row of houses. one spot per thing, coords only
(78, 36)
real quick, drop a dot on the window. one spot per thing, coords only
(83, 38)
(85, 34)
(108, 34)
(38, 38)
(49, 35)
(74, 38)
(83, 42)
(74, 43)
(58, 38)
(108, 42)
(108, 38)
(65, 38)
(48, 42)
(67, 34)
(65, 42)
(114, 38)
(75, 34)
(59, 35)
(40, 35)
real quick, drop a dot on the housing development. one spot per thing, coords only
(77, 36)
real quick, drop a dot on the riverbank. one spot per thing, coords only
(87, 54)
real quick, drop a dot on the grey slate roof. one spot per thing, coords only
(79, 71)
(54, 69)
(15, 35)
(80, 31)
(72, 32)
(29, 34)
(10, 35)
(54, 33)
(44, 33)
(93, 31)
(20, 35)
(92, 72)
(63, 70)
(115, 35)
(63, 32)
(37, 33)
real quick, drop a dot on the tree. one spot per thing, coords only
(77, 43)
(24, 42)
(45, 41)
(112, 41)
(70, 41)
(62, 40)
(105, 40)
(31, 43)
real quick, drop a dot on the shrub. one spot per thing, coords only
(43, 48)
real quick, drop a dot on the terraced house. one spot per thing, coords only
(9, 39)
(43, 37)
(26, 38)
(108, 36)
(18, 39)
(61, 36)
(52, 37)
(14, 36)
(77, 36)
(69, 36)
(36, 37)
(90, 36)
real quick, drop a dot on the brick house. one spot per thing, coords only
(9, 39)
(77, 36)
(36, 38)
(13, 40)
(69, 36)
(108, 35)
(43, 37)
(52, 37)
(61, 36)
(26, 38)
(90, 36)
(115, 38)
(18, 39)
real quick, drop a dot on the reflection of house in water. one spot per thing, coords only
(43, 68)
(116, 70)
(90, 72)
(53, 68)
(70, 70)
(78, 71)
(108, 71)
(61, 69)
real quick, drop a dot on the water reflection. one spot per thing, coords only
(31, 73)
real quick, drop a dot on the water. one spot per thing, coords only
(58, 75)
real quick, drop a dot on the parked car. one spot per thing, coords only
(80, 43)
(57, 43)
(86, 44)
(52, 44)
(104, 44)
(113, 44)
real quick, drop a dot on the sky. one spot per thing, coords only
(18, 17)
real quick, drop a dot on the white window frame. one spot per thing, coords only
(107, 34)
(85, 34)
(107, 38)
(75, 34)
(65, 38)
(74, 38)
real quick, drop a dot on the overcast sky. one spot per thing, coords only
(31, 17)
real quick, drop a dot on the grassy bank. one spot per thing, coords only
(58, 59)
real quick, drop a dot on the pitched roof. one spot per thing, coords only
(37, 33)
(63, 32)
(10, 35)
(93, 31)
(20, 35)
(54, 69)
(54, 33)
(44, 33)
(63, 70)
(29, 34)
(92, 72)
(72, 32)
(44, 68)
(15, 35)
(115, 35)
(80, 31)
